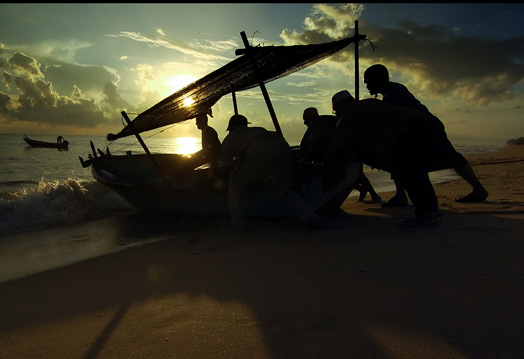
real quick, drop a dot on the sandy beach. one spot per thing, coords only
(161, 286)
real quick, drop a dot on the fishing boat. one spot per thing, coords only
(182, 184)
(60, 143)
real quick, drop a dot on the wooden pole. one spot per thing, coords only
(235, 102)
(357, 75)
(137, 135)
(262, 87)
(143, 144)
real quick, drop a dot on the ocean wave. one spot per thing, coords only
(52, 203)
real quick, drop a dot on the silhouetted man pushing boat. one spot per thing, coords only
(316, 140)
(317, 137)
(441, 153)
(254, 154)
(386, 137)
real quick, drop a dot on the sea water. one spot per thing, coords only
(54, 213)
(44, 187)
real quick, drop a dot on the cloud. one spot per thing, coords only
(302, 84)
(326, 23)
(113, 101)
(7, 80)
(38, 103)
(4, 102)
(64, 51)
(25, 65)
(90, 78)
(32, 98)
(436, 60)
(221, 46)
(161, 40)
(144, 76)
(440, 62)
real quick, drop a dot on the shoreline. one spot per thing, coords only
(69, 243)
(360, 287)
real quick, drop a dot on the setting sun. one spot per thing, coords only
(188, 101)
(178, 82)
(187, 145)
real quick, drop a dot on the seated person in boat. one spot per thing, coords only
(211, 146)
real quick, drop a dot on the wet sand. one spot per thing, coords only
(359, 287)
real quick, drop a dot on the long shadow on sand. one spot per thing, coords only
(347, 290)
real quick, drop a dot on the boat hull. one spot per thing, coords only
(181, 186)
(42, 144)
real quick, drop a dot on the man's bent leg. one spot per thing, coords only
(421, 193)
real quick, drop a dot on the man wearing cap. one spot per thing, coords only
(318, 135)
(253, 154)
(387, 137)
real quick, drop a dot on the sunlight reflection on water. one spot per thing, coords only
(186, 145)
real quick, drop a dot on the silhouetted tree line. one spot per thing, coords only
(515, 141)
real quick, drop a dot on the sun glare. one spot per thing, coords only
(188, 101)
(177, 82)
(187, 145)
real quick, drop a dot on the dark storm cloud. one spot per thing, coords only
(38, 102)
(480, 70)
(4, 101)
(326, 24)
(32, 97)
(25, 64)
(88, 78)
(7, 79)
(438, 60)
(113, 100)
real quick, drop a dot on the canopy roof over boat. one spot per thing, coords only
(256, 65)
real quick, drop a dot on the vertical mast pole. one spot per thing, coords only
(262, 87)
(234, 102)
(357, 75)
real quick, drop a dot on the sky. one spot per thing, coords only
(72, 68)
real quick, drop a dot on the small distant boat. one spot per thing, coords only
(60, 143)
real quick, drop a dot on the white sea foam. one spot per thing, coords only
(53, 203)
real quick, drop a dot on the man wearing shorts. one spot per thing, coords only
(441, 153)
